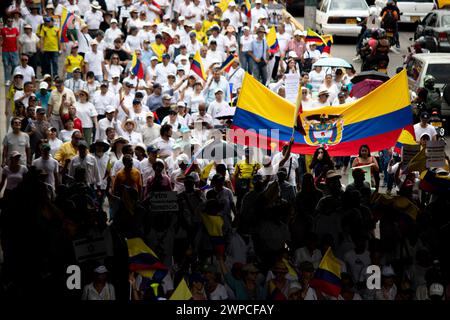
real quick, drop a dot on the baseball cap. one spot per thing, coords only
(167, 97)
(43, 85)
(425, 115)
(15, 154)
(136, 101)
(436, 289)
(18, 73)
(27, 26)
(114, 21)
(154, 58)
(149, 114)
(166, 56)
(100, 270)
(218, 90)
(181, 104)
(110, 109)
(152, 148)
(46, 146)
(93, 42)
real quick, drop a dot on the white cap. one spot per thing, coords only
(110, 109)
(388, 271)
(114, 21)
(292, 54)
(166, 16)
(246, 28)
(218, 90)
(183, 57)
(115, 74)
(18, 73)
(181, 18)
(436, 289)
(232, 4)
(298, 33)
(262, 17)
(93, 42)
(153, 58)
(258, 1)
(101, 269)
(183, 158)
(43, 85)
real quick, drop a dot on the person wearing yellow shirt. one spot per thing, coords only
(209, 22)
(158, 47)
(68, 151)
(49, 35)
(243, 176)
(201, 36)
(73, 61)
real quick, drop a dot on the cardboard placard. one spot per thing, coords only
(435, 154)
(409, 151)
(165, 201)
(291, 84)
(90, 249)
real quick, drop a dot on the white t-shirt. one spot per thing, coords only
(215, 108)
(54, 145)
(246, 43)
(93, 19)
(95, 62)
(17, 142)
(165, 147)
(66, 135)
(85, 112)
(50, 166)
(162, 71)
(14, 178)
(277, 159)
(418, 131)
(316, 79)
(28, 73)
(133, 42)
(220, 293)
(357, 264)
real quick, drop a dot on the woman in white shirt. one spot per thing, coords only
(87, 113)
(330, 86)
(13, 173)
(292, 67)
(99, 289)
(196, 98)
(246, 47)
(112, 33)
(53, 141)
(230, 41)
(133, 41)
(316, 78)
(113, 66)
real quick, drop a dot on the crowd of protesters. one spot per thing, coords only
(90, 143)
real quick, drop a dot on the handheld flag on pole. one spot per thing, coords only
(197, 66)
(248, 8)
(326, 46)
(66, 20)
(136, 66)
(314, 37)
(226, 65)
(297, 124)
(182, 292)
(272, 41)
(143, 260)
(328, 276)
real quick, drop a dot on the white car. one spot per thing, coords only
(435, 64)
(340, 17)
(411, 11)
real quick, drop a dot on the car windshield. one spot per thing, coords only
(446, 21)
(348, 5)
(441, 71)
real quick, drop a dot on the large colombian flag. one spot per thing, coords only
(377, 120)
(327, 277)
(66, 20)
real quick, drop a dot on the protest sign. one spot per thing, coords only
(409, 151)
(90, 249)
(435, 154)
(291, 84)
(165, 201)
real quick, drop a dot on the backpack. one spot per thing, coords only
(390, 17)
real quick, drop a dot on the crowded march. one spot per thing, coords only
(218, 150)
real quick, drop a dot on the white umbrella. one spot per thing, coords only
(332, 62)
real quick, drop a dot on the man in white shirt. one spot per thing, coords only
(47, 164)
(164, 69)
(183, 8)
(233, 15)
(235, 76)
(215, 55)
(217, 106)
(93, 18)
(165, 142)
(94, 61)
(423, 127)
(195, 12)
(193, 44)
(87, 162)
(290, 163)
(218, 37)
(201, 116)
(34, 19)
(256, 12)
(26, 70)
(151, 131)
(75, 83)
(323, 100)
(112, 33)
(108, 122)
(103, 98)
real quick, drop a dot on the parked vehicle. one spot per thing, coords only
(340, 18)
(435, 27)
(435, 64)
(413, 11)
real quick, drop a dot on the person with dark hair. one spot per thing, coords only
(127, 177)
(365, 159)
(320, 164)
(160, 181)
(359, 184)
(165, 142)
(16, 140)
